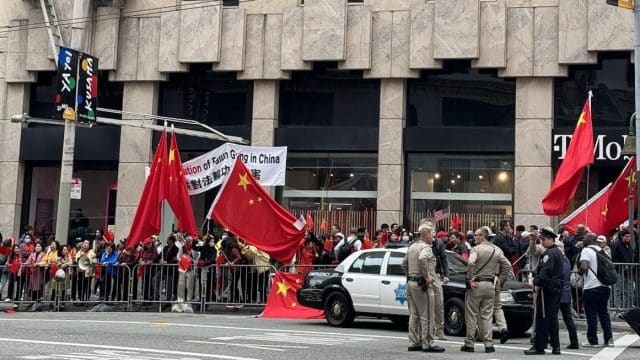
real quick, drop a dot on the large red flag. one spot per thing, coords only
(246, 209)
(146, 221)
(177, 194)
(578, 156)
(617, 208)
(590, 213)
(282, 303)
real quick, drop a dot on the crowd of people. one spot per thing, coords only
(219, 268)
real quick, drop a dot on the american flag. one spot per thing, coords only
(442, 214)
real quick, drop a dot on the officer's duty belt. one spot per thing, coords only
(485, 278)
(415, 278)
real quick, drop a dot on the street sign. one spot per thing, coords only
(627, 4)
(76, 188)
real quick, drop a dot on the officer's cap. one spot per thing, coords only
(548, 232)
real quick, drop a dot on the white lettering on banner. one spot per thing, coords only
(603, 148)
(267, 165)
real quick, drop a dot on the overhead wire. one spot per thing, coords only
(111, 16)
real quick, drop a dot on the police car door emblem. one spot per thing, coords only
(401, 293)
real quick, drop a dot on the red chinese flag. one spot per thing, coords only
(146, 221)
(456, 222)
(617, 208)
(589, 214)
(578, 156)
(323, 225)
(309, 222)
(246, 209)
(282, 302)
(177, 194)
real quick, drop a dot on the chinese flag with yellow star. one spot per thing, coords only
(617, 202)
(247, 210)
(282, 303)
(579, 155)
(146, 221)
(177, 194)
(590, 213)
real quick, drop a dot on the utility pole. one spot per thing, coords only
(636, 68)
(81, 9)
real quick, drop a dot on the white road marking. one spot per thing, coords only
(155, 323)
(325, 333)
(127, 348)
(610, 353)
(511, 347)
(250, 346)
(107, 355)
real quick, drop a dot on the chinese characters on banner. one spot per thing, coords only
(209, 170)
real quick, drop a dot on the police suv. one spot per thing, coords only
(371, 283)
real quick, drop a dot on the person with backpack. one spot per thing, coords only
(599, 273)
(345, 247)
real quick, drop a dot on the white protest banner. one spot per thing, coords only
(267, 164)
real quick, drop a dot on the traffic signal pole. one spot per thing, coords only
(81, 9)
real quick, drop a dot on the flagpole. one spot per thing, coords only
(586, 215)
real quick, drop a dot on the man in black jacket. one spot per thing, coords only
(504, 240)
(442, 269)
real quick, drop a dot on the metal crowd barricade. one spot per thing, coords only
(94, 285)
(236, 285)
(625, 293)
(28, 285)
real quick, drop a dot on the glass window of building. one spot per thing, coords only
(612, 82)
(477, 187)
(331, 181)
(41, 102)
(328, 96)
(212, 98)
(459, 95)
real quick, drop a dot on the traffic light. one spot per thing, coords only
(627, 4)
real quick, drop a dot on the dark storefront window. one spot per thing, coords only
(331, 181)
(473, 186)
(41, 103)
(215, 99)
(460, 96)
(327, 96)
(611, 81)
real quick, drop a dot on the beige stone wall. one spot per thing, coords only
(264, 39)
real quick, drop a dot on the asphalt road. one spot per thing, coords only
(147, 336)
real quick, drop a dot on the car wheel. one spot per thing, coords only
(337, 310)
(454, 324)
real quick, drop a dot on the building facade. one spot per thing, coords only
(401, 106)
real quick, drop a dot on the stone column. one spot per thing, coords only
(533, 174)
(390, 156)
(135, 152)
(264, 119)
(16, 96)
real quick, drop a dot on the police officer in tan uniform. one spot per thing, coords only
(485, 261)
(420, 267)
(498, 314)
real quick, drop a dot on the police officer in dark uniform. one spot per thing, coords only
(548, 283)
